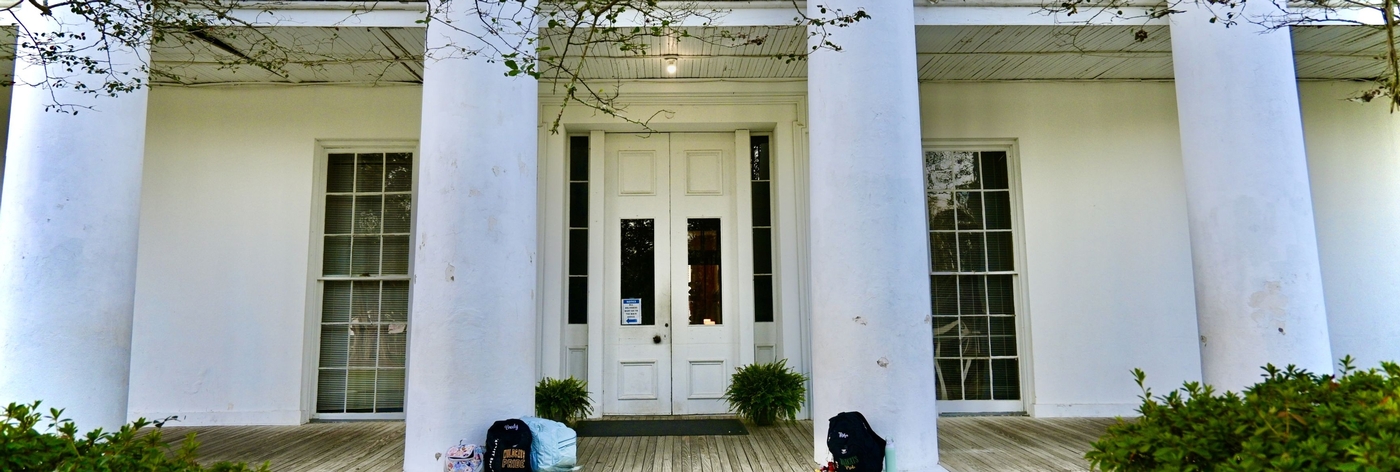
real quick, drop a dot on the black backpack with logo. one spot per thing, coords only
(854, 446)
(508, 445)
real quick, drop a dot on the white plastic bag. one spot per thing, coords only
(464, 458)
(555, 446)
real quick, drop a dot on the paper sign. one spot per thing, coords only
(631, 311)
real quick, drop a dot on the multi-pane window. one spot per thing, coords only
(972, 275)
(365, 283)
(761, 186)
(578, 230)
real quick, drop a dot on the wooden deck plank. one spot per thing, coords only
(667, 461)
(967, 444)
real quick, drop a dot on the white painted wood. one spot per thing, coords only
(742, 209)
(703, 345)
(870, 294)
(474, 291)
(691, 362)
(704, 173)
(68, 232)
(1254, 249)
(966, 43)
(576, 364)
(789, 174)
(631, 351)
(597, 210)
(552, 278)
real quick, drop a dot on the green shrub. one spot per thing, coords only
(1292, 421)
(763, 393)
(59, 448)
(563, 400)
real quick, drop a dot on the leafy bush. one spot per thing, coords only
(563, 400)
(24, 448)
(763, 393)
(1293, 420)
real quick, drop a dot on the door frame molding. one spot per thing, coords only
(776, 108)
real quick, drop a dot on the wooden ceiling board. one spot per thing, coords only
(946, 53)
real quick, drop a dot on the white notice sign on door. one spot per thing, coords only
(631, 311)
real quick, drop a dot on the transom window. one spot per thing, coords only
(972, 275)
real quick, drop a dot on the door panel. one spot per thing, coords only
(704, 308)
(637, 357)
(670, 242)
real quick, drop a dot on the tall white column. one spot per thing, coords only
(1253, 242)
(472, 345)
(68, 227)
(872, 343)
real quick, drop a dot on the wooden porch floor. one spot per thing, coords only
(995, 443)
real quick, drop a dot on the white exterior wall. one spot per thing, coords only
(1108, 257)
(226, 220)
(221, 303)
(1354, 166)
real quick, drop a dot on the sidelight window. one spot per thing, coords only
(578, 230)
(761, 185)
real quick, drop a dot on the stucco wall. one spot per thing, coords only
(1354, 165)
(226, 219)
(225, 225)
(1108, 257)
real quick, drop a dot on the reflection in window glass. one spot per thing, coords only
(760, 184)
(638, 265)
(972, 271)
(702, 256)
(365, 289)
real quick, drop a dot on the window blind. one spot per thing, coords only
(972, 275)
(365, 287)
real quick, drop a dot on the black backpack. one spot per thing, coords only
(854, 446)
(508, 446)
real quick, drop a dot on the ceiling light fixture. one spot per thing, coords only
(670, 65)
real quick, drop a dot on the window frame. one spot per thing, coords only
(315, 259)
(1018, 275)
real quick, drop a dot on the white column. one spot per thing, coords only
(1253, 244)
(68, 225)
(872, 344)
(472, 345)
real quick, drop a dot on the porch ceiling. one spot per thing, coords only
(946, 53)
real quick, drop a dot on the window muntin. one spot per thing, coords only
(578, 230)
(364, 283)
(972, 275)
(761, 194)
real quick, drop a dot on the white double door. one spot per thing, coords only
(671, 274)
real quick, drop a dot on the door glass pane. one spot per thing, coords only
(702, 256)
(638, 265)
